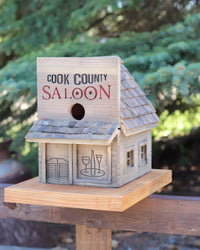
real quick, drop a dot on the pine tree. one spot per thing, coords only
(164, 60)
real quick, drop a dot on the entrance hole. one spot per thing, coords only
(78, 111)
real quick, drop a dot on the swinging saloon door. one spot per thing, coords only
(58, 164)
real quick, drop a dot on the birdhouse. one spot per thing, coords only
(94, 122)
(94, 133)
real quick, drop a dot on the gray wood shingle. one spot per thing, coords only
(59, 129)
(136, 109)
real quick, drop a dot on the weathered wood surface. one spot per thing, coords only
(93, 238)
(74, 196)
(137, 113)
(134, 142)
(55, 98)
(157, 213)
(78, 132)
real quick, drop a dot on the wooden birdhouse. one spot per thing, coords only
(94, 133)
(94, 122)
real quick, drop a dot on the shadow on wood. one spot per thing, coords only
(157, 213)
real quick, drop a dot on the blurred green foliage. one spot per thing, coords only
(177, 124)
(159, 42)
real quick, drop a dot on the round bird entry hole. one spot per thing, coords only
(78, 111)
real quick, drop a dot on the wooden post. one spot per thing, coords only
(93, 238)
(155, 214)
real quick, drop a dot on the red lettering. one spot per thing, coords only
(90, 93)
(106, 93)
(56, 92)
(46, 92)
(65, 93)
(77, 93)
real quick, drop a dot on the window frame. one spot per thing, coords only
(143, 154)
(132, 157)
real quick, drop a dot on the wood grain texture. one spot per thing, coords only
(70, 163)
(86, 150)
(43, 155)
(48, 129)
(93, 238)
(115, 172)
(40, 169)
(108, 199)
(134, 142)
(72, 141)
(58, 106)
(156, 213)
(137, 113)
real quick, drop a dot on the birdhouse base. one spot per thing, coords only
(97, 198)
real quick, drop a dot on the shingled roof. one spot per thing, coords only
(66, 131)
(136, 111)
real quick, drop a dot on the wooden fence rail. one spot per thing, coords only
(157, 213)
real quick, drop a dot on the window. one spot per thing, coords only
(130, 159)
(143, 153)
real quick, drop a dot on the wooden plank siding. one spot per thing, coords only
(157, 213)
(107, 107)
